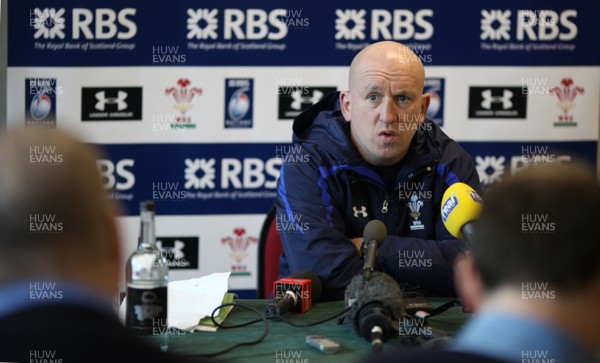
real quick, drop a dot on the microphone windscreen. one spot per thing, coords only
(381, 289)
(375, 230)
(317, 286)
(460, 205)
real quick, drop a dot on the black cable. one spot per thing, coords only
(252, 342)
(309, 324)
(444, 307)
(263, 318)
(435, 337)
(219, 325)
(412, 294)
(281, 318)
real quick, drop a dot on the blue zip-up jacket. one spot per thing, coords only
(327, 193)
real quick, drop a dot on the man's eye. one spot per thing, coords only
(402, 98)
(372, 98)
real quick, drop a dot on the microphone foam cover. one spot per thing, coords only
(317, 286)
(460, 205)
(375, 230)
(381, 289)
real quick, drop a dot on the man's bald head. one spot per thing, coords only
(389, 55)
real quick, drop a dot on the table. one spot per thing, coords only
(286, 344)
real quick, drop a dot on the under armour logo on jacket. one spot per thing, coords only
(176, 251)
(119, 100)
(362, 211)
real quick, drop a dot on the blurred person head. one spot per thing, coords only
(537, 250)
(385, 103)
(55, 220)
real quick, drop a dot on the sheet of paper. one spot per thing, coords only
(194, 299)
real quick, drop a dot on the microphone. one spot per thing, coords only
(296, 293)
(375, 307)
(460, 206)
(373, 236)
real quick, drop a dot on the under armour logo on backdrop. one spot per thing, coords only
(362, 211)
(175, 251)
(299, 100)
(488, 99)
(119, 100)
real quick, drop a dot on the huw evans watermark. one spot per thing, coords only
(539, 291)
(413, 259)
(537, 223)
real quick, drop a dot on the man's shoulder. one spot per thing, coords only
(325, 134)
(433, 356)
(321, 154)
(435, 133)
(435, 137)
(72, 333)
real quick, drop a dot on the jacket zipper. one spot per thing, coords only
(384, 208)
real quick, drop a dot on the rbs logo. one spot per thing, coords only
(249, 173)
(102, 23)
(535, 25)
(547, 22)
(117, 175)
(251, 24)
(400, 24)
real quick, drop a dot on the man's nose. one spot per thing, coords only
(388, 111)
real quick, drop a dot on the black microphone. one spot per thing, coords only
(296, 293)
(374, 234)
(376, 307)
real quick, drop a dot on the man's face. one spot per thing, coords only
(385, 107)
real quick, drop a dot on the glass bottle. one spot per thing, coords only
(147, 277)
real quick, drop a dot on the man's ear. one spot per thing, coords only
(345, 104)
(425, 99)
(468, 283)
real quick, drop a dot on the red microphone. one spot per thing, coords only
(296, 293)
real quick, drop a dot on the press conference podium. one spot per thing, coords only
(285, 343)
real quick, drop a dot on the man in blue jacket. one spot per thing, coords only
(369, 153)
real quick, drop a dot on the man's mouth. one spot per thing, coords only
(387, 135)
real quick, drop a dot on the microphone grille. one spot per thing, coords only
(381, 289)
(375, 230)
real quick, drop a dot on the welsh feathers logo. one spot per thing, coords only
(566, 94)
(183, 94)
(238, 246)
